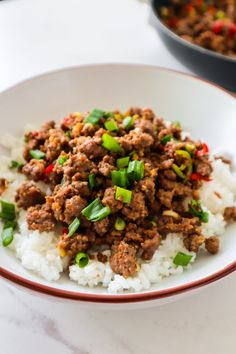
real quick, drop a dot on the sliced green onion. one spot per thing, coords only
(182, 259)
(8, 211)
(122, 162)
(111, 125)
(108, 115)
(8, 224)
(120, 224)
(124, 195)
(176, 124)
(166, 139)
(15, 164)
(195, 209)
(110, 143)
(92, 182)
(7, 236)
(128, 122)
(82, 259)
(68, 134)
(135, 170)
(73, 227)
(62, 159)
(94, 116)
(37, 154)
(119, 178)
(95, 211)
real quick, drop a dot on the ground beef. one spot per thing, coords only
(73, 207)
(123, 260)
(101, 226)
(212, 244)
(106, 165)
(3, 185)
(28, 194)
(148, 187)
(56, 143)
(110, 201)
(167, 224)
(230, 214)
(150, 246)
(91, 148)
(41, 218)
(34, 169)
(102, 257)
(137, 208)
(165, 197)
(193, 242)
(80, 166)
(73, 245)
(136, 141)
(203, 167)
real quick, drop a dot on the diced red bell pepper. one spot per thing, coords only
(232, 30)
(65, 230)
(197, 177)
(218, 26)
(49, 169)
(203, 151)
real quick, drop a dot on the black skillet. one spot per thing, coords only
(208, 64)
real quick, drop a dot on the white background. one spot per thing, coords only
(42, 35)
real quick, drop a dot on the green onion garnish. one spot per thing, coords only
(122, 162)
(37, 154)
(7, 236)
(165, 139)
(95, 211)
(111, 125)
(73, 227)
(82, 259)
(124, 195)
(91, 180)
(68, 134)
(108, 115)
(195, 209)
(94, 116)
(128, 122)
(120, 224)
(62, 159)
(135, 170)
(15, 164)
(182, 259)
(110, 143)
(119, 178)
(12, 224)
(8, 211)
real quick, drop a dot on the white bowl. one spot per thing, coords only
(207, 111)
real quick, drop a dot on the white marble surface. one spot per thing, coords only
(37, 36)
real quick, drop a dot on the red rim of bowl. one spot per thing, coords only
(121, 298)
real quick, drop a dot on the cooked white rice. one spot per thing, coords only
(37, 251)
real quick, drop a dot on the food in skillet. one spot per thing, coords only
(209, 24)
(118, 200)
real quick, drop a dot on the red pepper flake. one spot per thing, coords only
(203, 151)
(198, 177)
(218, 26)
(49, 169)
(232, 30)
(65, 230)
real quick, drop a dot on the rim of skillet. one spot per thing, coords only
(182, 41)
(125, 297)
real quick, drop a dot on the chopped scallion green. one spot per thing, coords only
(166, 139)
(7, 236)
(82, 259)
(182, 259)
(120, 224)
(135, 170)
(15, 164)
(8, 211)
(124, 195)
(122, 162)
(110, 143)
(119, 178)
(195, 209)
(95, 211)
(62, 159)
(37, 154)
(128, 122)
(91, 181)
(111, 125)
(73, 227)
(94, 116)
